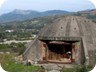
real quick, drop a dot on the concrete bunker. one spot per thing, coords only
(67, 34)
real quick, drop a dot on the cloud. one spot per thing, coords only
(1, 2)
(94, 2)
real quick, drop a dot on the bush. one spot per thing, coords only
(13, 47)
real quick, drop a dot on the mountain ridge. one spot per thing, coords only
(18, 15)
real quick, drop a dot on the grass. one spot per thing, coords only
(13, 47)
(10, 65)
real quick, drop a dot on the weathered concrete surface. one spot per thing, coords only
(54, 71)
(51, 67)
(57, 67)
(72, 27)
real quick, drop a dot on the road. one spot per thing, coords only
(11, 41)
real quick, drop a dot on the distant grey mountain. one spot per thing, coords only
(18, 15)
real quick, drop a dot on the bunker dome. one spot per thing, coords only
(66, 40)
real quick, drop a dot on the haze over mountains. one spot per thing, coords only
(18, 15)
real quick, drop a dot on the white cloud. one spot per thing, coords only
(94, 2)
(1, 2)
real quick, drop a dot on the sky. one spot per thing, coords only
(43, 5)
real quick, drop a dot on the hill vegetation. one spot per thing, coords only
(24, 30)
(91, 14)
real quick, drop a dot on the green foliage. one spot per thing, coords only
(23, 30)
(10, 65)
(4, 46)
(13, 47)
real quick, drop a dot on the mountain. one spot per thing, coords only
(54, 12)
(90, 12)
(18, 15)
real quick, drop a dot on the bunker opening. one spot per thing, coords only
(60, 51)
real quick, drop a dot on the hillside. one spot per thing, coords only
(91, 14)
(18, 15)
(22, 30)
